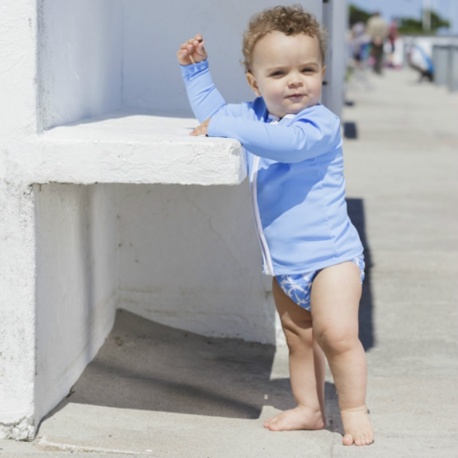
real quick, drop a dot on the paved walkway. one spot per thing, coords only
(403, 195)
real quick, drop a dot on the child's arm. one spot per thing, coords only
(313, 132)
(203, 96)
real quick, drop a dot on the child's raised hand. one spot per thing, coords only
(192, 51)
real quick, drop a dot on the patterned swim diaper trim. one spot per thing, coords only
(359, 261)
(298, 287)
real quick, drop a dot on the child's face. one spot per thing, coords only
(287, 71)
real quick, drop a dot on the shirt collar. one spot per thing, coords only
(273, 118)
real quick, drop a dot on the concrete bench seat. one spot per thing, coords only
(124, 147)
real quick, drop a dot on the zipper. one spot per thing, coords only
(269, 270)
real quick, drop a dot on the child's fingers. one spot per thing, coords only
(188, 46)
(183, 56)
(202, 129)
(199, 130)
(184, 53)
(201, 50)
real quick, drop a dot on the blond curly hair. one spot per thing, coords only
(290, 20)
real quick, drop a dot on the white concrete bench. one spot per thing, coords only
(127, 147)
(106, 201)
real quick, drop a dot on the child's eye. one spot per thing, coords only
(308, 70)
(277, 73)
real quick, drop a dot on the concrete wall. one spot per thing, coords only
(99, 56)
(190, 259)
(73, 249)
(17, 241)
(80, 59)
(151, 79)
(335, 20)
(77, 265)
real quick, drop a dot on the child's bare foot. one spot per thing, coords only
(295, 419)
(357, 426)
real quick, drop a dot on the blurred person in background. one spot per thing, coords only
(378, 30)
(359, 43)
(419, 58)
(392, 37)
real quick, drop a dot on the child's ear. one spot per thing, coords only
(323, 71)
(253, 83)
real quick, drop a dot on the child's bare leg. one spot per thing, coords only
(306, 366)
(336, 293)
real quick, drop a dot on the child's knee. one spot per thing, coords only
(336, 339)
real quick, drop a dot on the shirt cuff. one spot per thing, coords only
(192, 70)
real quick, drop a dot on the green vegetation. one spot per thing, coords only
(356, 14)
(406, 26)
(409, 26)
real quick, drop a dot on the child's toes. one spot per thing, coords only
(363, 439)
(348, 439)
(367, 439)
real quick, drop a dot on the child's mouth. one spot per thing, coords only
(295, 96)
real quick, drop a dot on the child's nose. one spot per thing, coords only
(295, 80)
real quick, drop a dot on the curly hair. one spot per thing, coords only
(290, 20)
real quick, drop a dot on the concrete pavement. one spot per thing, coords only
(157, 392)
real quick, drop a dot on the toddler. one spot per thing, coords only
(294, 154)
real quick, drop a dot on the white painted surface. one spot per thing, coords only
(80, 59)
(97, 57)
(17, 244)
(151, 79)
(71, 253)
(17, 312)
(131, 148)
(77, 265)
(190, 259)
(335, 20)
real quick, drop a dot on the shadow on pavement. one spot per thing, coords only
(366, 324)
(148, 366)
(145, 365)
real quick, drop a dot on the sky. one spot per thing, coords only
(448, 9)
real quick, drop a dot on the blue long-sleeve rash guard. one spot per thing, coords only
(295, 168)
